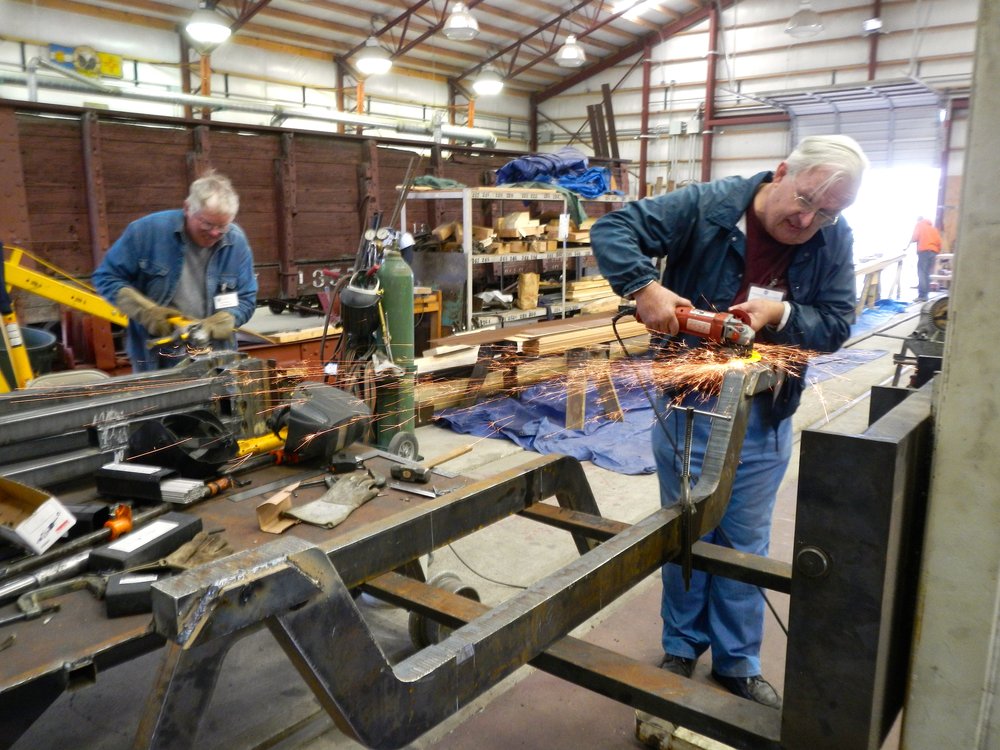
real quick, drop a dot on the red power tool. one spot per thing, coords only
(728, 328)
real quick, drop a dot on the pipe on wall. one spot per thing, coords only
(75, 82)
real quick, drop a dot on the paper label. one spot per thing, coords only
(134, 468)
(132, 542)
(131, 580)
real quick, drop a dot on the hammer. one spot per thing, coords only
(422, 472)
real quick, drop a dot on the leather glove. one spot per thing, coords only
(219, 325)
(151, 316)
(337, 503)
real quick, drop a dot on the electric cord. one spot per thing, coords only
(484, 577)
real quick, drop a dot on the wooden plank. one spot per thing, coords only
(576, 388)
(285, 337)
(488, 337)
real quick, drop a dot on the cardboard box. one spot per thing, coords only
(31, 518)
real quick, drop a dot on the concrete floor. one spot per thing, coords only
(261, 702)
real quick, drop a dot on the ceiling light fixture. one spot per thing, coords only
(571, 54)
(488, 82)
(373, 59)
(871, 26)
(805, 22)
(206, 26)
(461, 25)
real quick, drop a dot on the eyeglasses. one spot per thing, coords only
(823, 218)
(208, 226)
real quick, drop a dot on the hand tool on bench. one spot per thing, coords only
(421, 473)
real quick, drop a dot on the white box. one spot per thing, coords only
(31, 518)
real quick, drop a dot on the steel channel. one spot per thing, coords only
(55, 420)
(698, 707)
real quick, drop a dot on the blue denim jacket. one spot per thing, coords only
(149, 257)
(695, 229)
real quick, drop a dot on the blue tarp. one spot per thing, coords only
(536, 418)
(544, 167)
(592, 183)
(875, 317)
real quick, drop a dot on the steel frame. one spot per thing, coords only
(302, 593)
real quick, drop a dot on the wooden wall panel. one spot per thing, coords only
(52, 160)
(147, 165)
(144, 171)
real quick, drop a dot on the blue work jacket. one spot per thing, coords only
(696, 230)
(149, 257)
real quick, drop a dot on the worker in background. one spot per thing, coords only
(192, 262)
(928, 240)
(776, 246)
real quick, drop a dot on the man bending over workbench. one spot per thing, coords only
(180, 272)
(775, 249)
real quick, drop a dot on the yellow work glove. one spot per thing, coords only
(219, 325)
(151, 316)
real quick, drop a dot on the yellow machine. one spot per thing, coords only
(65, 291)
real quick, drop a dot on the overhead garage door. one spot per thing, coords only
(896, 122)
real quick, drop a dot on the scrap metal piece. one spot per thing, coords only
(307, 604)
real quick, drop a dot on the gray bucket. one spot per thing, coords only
(41, 347)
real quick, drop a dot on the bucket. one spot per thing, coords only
(41, 347)
(425, 632)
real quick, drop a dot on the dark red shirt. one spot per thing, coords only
(766, 259)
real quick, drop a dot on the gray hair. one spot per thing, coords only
(840, 154)
(214, 193)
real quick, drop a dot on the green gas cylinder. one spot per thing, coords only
(394, 396)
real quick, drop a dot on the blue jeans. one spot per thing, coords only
(925, 266)
(718, 613)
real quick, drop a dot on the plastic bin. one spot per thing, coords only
(41, 346)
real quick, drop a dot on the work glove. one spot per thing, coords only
(151, 316)
(346, 495)
(219, 325)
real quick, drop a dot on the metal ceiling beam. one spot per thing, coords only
(635, 48)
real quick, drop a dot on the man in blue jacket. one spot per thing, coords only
(191, 262)
(775, 246)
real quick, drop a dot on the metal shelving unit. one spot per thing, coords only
(467, 196)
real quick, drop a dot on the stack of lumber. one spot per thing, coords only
(518, 225)
(591, 287)
(573, 335)
(577, 235)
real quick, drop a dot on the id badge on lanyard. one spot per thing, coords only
(762, 292)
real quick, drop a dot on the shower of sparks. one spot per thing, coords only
(676, 369)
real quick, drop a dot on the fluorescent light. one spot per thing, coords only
(571, 54)
(488, 82)
(805, 23)
(871, 25)
(207, 27)
(373, 60)
(461, 25)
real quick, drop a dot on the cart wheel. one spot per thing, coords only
(276, 306)
(404, 444)
(425, 632)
